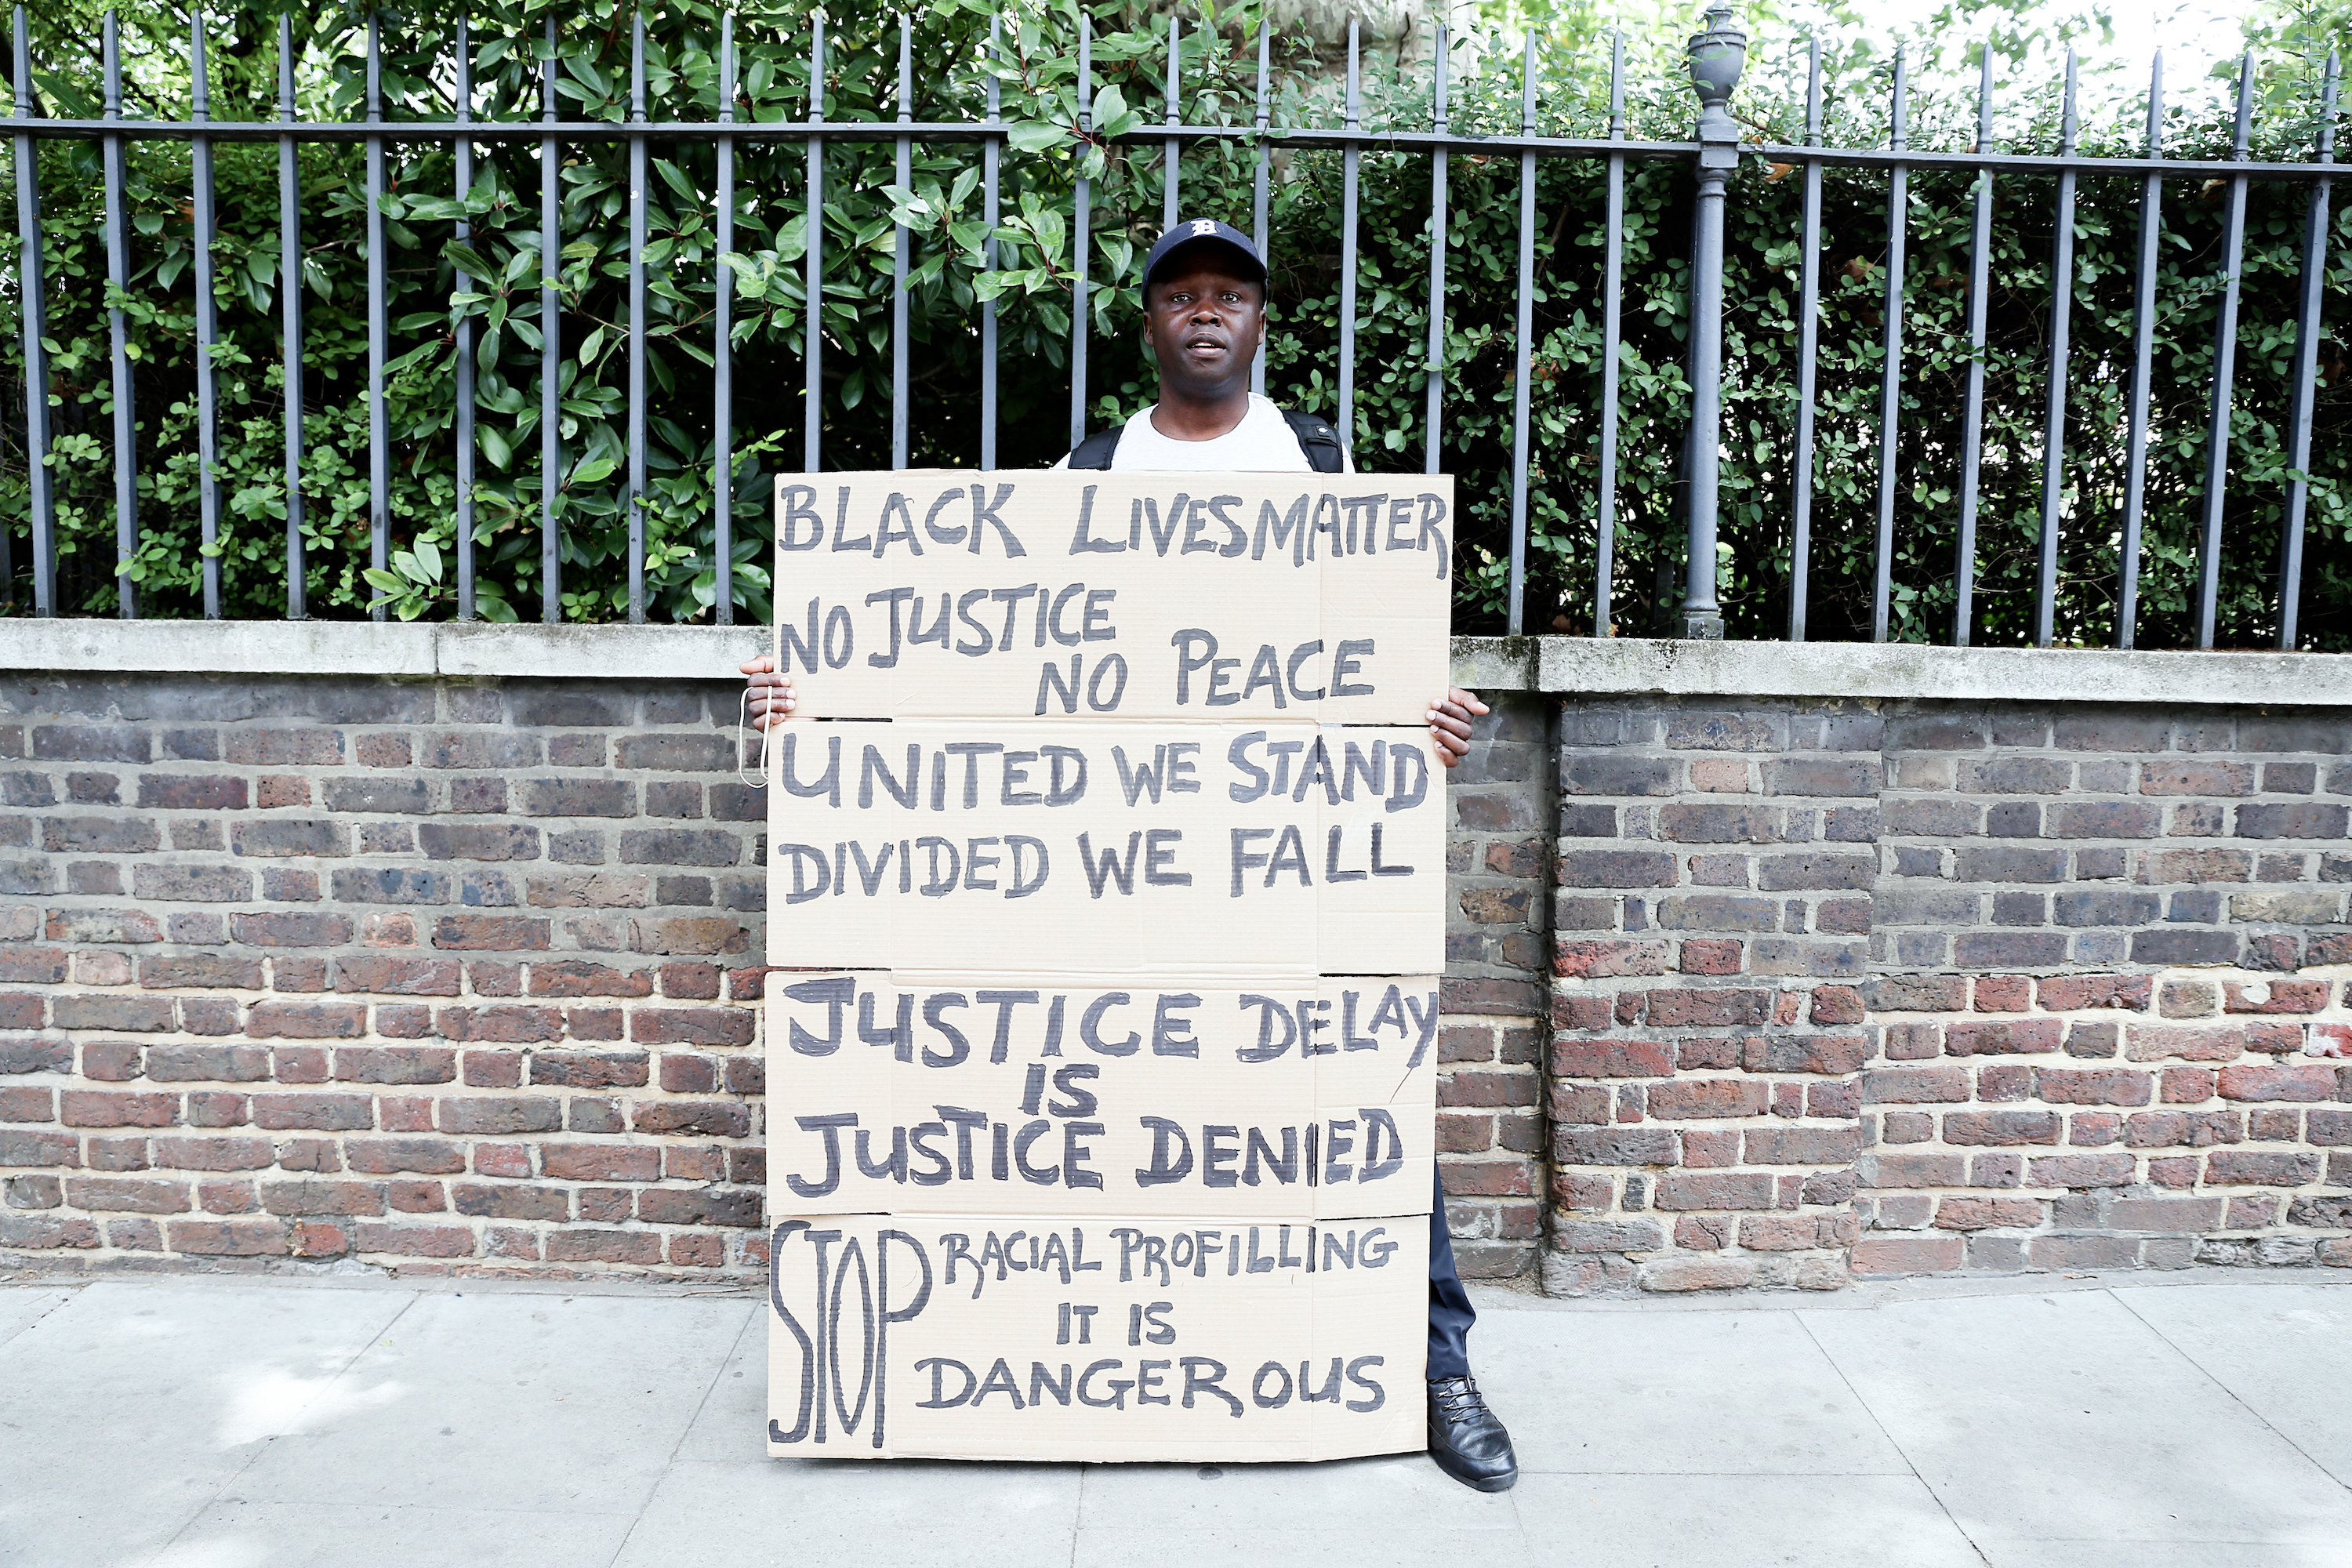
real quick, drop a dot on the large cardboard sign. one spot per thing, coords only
(1058, 595)
(1112, 848)
(956, 1094)
(1106, 882)
(994, 1337)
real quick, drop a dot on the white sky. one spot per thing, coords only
(2193, 34)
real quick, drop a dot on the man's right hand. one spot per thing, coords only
(770, 694)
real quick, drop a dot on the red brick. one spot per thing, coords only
(588, 1069)
(306, 1020)
(127, 1195)
(395, 1064)
(2301, 1084)
(641, 1247)
(2207, 1043)
(512, 1160)
(304, 928)
(504, 1201)
(2246, 1167)
(2093, 1086)
(1612, 1059)
(403, 1113)
(386, 974)
(737, 1207)
(1487, 1178)
(1915, 1085)
(1907, 1254)
(1709, 955)
(500, 1114)
(1727, 1190)
(429, 1156)
(39, 1233)
(215, 1154)
(32, 965)
(2001, 1129)
(1970, 1038)
(576, 978)
(691, 982)
(1692, 1008)
(301, 1197)
(604, 1206)
(314, 1113)
(494, 1069)
(691, 1025)
(217, 1107)
(102, 1107)
(502, 1025)
(688, 1163)
(593, 1023)
(1837, 1004)
(228, 1238)
(2188, 1085)
(698, 1251)
(2003, 994)
(1796, 1146)
(2081, 1171)
(417, 1197)
(602, 1161)
(415, 1240)
(490, 933)
(1691, 1099)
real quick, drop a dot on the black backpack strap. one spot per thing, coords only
(1315, 439)
(1097, 449)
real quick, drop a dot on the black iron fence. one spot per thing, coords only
(1713, 155)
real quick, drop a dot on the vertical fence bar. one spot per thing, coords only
(2225, 364)
(1964, 565)
(1258, 190)
(1890, 388)
(2054, 427)
(1433, 389)
(32, 310)
(118, 332)
(2151, 212)
(551, 350)
(2307, 329)
(902, 250)
(289, 301)
(991, 152)
(1809, 304)
(1350, 160)
(1516, 610)
(379, 436)
(1170, 158)
(1716, 56)
(638, 321)
(722, 351)
(1612, 275)
(812, 275)
(463, 153)
(1081, 217)
(200, 180)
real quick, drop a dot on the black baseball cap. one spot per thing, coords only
(1200, 230)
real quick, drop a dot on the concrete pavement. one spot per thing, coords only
(2155, 1421)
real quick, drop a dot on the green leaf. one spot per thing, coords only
(1035, 135)
(593, 471)
(494, 445)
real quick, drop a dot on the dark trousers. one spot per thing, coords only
(1450, 1312)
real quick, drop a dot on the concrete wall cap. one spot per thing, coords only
(1566, 665)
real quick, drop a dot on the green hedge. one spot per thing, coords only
(944, 205)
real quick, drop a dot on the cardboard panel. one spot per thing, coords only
(996, 1337)
(1106, 848)
(1043, 594)
(956, 1094)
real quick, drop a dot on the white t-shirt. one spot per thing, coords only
(1261, 444)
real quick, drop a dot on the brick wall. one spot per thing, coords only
(1490, 1123)
(1946, 986)
(459, 976)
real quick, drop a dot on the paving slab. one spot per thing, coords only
(1394, 1492)
(503, 1401)
(1329, 1545)
(130, 1404)
(1632, 1393)
(232, 1534)
(21, 1306)
(2065, 1418)
(795, 1512)
(2151, 1554)
(2284, 1350)
(1738, 1521)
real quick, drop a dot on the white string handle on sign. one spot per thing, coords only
(743, 720)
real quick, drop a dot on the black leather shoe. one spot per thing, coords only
(1465, 1439)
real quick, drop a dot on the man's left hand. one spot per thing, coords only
(1449, 724)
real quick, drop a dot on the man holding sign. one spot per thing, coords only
(1204, 321)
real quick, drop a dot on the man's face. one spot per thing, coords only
(1204, 320)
